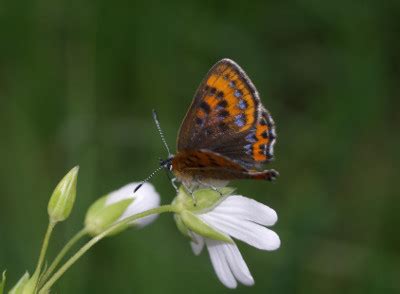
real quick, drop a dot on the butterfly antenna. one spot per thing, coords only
(148, 178)
(156, 121)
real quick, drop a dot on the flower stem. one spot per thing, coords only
(61, 255)
(94, 240)
(35, 276)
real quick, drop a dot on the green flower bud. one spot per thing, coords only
(100, 215)
(3, 282)
(189, 206)
(19, 287)
(63, 198)
(120, 204)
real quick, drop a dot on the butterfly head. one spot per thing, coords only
(167, 163)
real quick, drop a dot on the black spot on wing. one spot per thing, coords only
(204, 105)
(199, 121)
(264, 134)
(223, 113)
(223, 127)
(222, 104)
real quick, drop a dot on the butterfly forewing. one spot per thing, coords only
(226, 117)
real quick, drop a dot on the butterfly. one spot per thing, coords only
(227, 133)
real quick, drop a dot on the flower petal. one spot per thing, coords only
(237, 264)
(145, 198)
(247, 209)
(122, 193)
(220, 263)
(246, 231)
(197, 243)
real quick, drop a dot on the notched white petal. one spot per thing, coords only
(247, 209)
(228, 263)
(246, 231)
(220, 263)
(121, 194)
(197, 244)
(145, 198)
(237, 264)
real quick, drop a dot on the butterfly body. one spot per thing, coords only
(227, 133)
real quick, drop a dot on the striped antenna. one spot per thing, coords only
(148, 178)
(156, 121)
(163, 163)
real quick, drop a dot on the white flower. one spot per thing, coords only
(144, 199)
(121, 204)
(243, 219)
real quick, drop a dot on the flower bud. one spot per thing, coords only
(19, 287)
(100, 215)
(63, 198)
(119, 205)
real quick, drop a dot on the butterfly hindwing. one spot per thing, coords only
(227, 117)
(204, 164)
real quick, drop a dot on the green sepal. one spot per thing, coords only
(118, 230)
(100, 216)
(201, 199)
(3, 282)
(195, 224)
(63, 198)
(206, 199)
(226, 191)
(96, 206)
(181, 226)
(20, 285)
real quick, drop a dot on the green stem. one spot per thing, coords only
(45, 245)
(94, 240)
(61, 255)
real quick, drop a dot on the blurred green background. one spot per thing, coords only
(78, 81)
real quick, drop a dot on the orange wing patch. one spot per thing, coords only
(228, 100)
(260, 146)
(264, 138)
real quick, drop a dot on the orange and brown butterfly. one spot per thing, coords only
(227, 133)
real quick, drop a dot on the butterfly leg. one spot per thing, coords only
(209, 186)
(191, 194)
(190, 191)
(173, 183)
